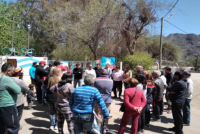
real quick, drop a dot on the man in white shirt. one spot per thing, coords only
(90, 70)
(186, 107)
(163, 78)
(109, 70)
(117, 78)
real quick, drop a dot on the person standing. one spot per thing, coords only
(24, 89)
(169, 76)
(39, 74)
(104, 84)
(44, 86)
(143, 87)
(109, 70)
(90, 70)
(8, 96)
(64, 90)
(127, 74)
(117, 78)
(164, 80)
(186, 107)
(144, 72)
(55, 64)
(165, 86)
(157, 95)
(82, 103)
(51, 98)
(78, 72)
(134, 101)
(149, 97)
(178, 92)
(32, 72)
(98, 70)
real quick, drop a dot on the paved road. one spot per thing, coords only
(37, 122)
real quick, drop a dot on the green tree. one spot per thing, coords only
(139, 58)
(11, 14)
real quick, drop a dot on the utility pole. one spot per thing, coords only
(12, 33)
(161, 36)
(28, 38)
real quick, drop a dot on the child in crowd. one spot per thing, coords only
(31, 96)
(44, 86)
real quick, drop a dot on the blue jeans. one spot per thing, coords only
(126, 85)
(79, 81)
(44, 90)
(186, 111)
(83, 121)
(52, 114)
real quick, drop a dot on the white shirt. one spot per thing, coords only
(92, 71)
(190, 88)
(140, 86)
(163, 78)
(117, 76)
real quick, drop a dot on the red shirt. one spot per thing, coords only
(138, 101)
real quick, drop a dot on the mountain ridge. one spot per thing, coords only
(190, 43)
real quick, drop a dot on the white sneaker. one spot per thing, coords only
(51, 128)
(55, 128)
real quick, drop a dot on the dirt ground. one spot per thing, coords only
(37, 121)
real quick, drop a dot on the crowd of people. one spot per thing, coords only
(75, 105)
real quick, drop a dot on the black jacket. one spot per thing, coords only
(98, 71)
(78, 73)
(180, 89)
(149, 96)
(51, 97)
(169, 76)
(39, 74)
(159, 89)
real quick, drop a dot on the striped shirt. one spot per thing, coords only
(84, 98)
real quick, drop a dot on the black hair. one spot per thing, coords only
(7, 66)
(56, 63)
(168, 68)
(31, 85)
(66, 78)
(162, 72)
(142, 79)
(46, 72)
(50, 65)
(34, 63)
(180, 74)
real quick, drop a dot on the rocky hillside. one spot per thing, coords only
(190, 43)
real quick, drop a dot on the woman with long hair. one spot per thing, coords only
(150, 90)
(134, 101)
(64, 90)
(51, 98)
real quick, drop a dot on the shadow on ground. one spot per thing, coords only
(42, 113)
(41, 131)
(153, 128)
(37, 122)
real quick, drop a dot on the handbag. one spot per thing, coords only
(122, 108)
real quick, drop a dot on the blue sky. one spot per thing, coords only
(186, 16)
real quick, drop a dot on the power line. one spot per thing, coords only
(176, 26)
(171, 9)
